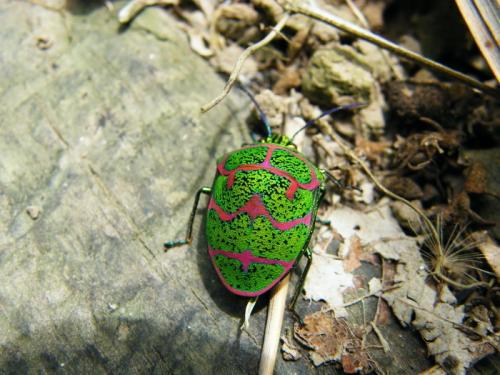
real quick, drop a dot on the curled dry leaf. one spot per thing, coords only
(331, 339)
(198, 45)
(420, 149)
(289, 350)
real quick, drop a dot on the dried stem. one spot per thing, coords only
(376, 293)
(241, 60)
(275, 314)
(385, 344)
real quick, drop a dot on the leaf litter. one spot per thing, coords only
(433, 143)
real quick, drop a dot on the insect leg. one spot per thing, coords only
(338, 182)
(300, 285)
(323, 221)
(169, 244)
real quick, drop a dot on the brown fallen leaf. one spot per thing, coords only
(330, 339)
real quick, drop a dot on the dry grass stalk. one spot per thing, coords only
(275, 314)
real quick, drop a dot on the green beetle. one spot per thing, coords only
(261, 214)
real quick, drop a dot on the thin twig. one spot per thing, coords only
(275, 314)
(385, 344)
(376, 293)
(364, 22)
(353, 29)
(241, 60)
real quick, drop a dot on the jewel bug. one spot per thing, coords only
(261, 213)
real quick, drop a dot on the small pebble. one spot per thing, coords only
(33, 211)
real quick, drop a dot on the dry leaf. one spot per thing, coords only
(289, 350)
(331, 339)
(327, 280)
(377, 229)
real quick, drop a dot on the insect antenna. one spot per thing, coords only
(339, 183)
(262, 115)
(329, 112)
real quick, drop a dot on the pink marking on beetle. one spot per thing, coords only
(266, 165)
(267, 161)
(245, 257)
(255, 207)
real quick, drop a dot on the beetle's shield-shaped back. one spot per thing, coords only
(261, 215)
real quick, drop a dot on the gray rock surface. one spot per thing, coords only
(102, 146)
